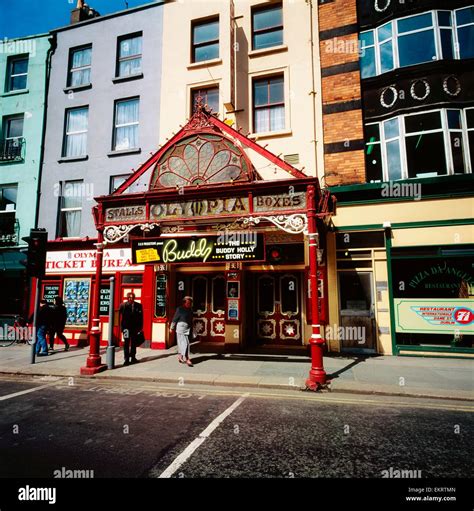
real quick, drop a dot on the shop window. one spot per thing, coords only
(446, 34)
(373, 153)
(367, 54)
(205, 40)
(129, 53)
(365, 239)
(80, 60)
(267, 27)
(76, 299)
(209, 98)
(160, 295)
(465, 32)
(75, 137)
(71, 209)
(17, 73)
(126, 124)
(269, 104)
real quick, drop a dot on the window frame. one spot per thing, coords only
(262, 8)
(268, 106)
(66, 133)
(9, 76)
(71, 70)
(119, 59)
(2, 188)
(444, 129)
(469, 152)
(62, 209)
(211, 42)
(205, 88)
(111, 181)
(115, 125)
(396, 35)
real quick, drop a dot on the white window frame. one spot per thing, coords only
(446, 140)
(11, 75)
(78, 69)
(67, 210)
(79, 132)
(435, 26)
(116, 126)
(120, 59)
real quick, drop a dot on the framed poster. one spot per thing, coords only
(50, 292)
(160, 295)
(104, 300)
(76, 296)
(233, 289)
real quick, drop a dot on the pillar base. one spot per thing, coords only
(90, 371)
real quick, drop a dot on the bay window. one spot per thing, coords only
(427, 144)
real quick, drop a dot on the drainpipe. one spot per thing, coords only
(313, 84)
(51, 50)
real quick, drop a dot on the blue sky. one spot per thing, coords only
(26, 17)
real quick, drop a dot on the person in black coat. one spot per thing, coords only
(131, 323)
(59, 316)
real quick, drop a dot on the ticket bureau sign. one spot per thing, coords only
(208, 207)
(206, 249)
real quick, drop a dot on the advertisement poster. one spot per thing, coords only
(76, 300)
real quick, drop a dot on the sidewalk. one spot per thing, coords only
(405, 376)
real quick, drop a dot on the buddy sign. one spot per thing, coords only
(205, 249)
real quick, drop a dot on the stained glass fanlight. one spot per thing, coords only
(201, 159)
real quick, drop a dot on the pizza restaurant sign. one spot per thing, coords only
(207, 208)
(84, 261)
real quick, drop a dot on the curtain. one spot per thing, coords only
(130, 67)
(277, 118)
(77, 122)
(126, 137)
(130, 47)
(81, 58)
(71, 223)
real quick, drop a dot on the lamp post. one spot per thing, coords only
(317, 374)
(94, 362)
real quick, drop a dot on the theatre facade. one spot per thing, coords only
(205, 224)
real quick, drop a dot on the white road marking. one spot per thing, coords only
(191, 448)
(16, 394)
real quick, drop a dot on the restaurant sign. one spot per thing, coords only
(205, 249)
(447, 316)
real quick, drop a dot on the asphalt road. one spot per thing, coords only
(107, 429)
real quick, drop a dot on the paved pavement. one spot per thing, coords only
(405, 376)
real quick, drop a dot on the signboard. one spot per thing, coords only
(206, 249)
(200, 208)
(284, 201)
(104, 300)
(50, 292)
(125, 214)
(83, 261)
(447, 316)
(233, 310)
(160, 296)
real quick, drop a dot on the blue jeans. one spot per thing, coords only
(41, 344)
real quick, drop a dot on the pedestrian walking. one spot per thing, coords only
(131, 324)
(59, 317)
(183, 323)
(43, 325)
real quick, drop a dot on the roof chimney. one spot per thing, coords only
(82, 12)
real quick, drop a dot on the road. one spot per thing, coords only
(50, 428)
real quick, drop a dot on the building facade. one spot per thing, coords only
(23, 75)
(398, 113)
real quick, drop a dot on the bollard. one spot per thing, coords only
(110, 355)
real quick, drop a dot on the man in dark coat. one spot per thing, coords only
(59, 317)
(131, 323)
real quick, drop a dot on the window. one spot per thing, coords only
(126, 124)
(75, 140)
(209, 97)
(71, 209)
(465, 32)
(267, 27)
(80, 67)
(205, 40)
(17, 73)
(116, 181)
(8, 195)
(11, 146)
(129, 55)
(417, 39)
(425, 144)
(268, 104)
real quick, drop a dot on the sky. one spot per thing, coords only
(20, 18)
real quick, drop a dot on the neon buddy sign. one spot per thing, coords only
(201, 249)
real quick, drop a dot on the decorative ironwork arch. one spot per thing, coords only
(201, 159)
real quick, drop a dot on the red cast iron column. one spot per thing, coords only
(94, 361)
(317, 374)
